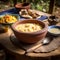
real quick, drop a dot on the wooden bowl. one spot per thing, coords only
(20, 6)
(32, 37)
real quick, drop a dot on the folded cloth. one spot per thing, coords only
(43, 17)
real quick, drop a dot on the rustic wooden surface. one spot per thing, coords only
(6, 42)
(54, 44)
(19, 53)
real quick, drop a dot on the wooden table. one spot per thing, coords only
(19, 53)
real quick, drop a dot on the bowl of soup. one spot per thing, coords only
(54, 30)
(30, 30)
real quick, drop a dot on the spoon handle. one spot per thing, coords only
(34, 47)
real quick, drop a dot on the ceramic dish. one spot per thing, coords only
(14, 17)
(29, 14)
(22, 6)
(30, 37)
(54, 30)
(53, 20)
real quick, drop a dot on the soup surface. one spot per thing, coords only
(55, 30)
(28, 27)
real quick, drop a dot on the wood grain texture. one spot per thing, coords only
(37, 47)
(5, 41)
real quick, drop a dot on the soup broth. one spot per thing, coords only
(55, 30)
(28, 27)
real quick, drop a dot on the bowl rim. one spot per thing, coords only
(31, 33)
(53, 26)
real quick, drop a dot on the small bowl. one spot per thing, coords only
(20, 6)
(31, 37)
(53, 20)
(54, 32)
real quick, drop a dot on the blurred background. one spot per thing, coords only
(41, 5)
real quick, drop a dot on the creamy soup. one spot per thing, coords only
(28, 27)
(55, 30)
